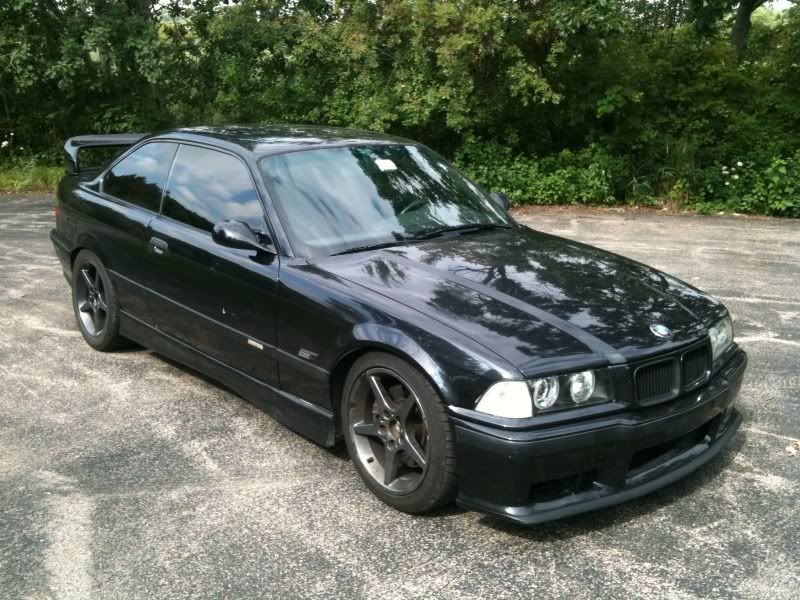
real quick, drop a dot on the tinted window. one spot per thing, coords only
(335, 199)
(206, 187)
(140, 177)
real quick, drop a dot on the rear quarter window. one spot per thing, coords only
(140, 177)
(206, 187)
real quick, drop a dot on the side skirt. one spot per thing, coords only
(312, 421)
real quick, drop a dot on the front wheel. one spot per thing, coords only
(398, 434)
(94, 303)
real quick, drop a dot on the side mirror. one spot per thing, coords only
(501, 199)
(235, 234)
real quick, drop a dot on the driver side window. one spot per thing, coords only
(206, 187)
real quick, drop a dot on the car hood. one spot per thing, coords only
(539, 301)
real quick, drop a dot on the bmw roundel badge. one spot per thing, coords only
(660, 330)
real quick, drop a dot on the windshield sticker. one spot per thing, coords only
(384, 164)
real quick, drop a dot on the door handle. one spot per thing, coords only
(158, 245)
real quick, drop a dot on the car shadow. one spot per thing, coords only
(187, 369)
(547, 532)
(337, 451)
(129, 348)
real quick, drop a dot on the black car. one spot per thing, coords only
(357, 286)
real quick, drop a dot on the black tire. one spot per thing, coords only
(94, 303)
(425, 433)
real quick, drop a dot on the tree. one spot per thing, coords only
(708, 14)
(742, 24)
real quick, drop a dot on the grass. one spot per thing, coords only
(29, 178)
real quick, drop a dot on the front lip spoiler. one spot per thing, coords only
(601, 496)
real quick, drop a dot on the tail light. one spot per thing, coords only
(57, 213)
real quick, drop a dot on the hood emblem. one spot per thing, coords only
(660, 330)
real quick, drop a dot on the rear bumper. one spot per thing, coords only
(63, 252)
(533, 476)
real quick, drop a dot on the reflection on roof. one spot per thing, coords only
(263, 140)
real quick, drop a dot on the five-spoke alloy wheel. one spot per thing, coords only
(391, 436)
(94, 302)
(398, 434)
(91, 297)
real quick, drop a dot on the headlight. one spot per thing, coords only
(573, 389)
(721, 334)
(545, 392)
(521, 399)
(581, 386)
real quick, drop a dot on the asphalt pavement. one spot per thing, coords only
(127, 475)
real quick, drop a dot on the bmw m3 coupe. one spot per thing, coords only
(358, 287)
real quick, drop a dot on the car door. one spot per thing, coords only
(128, 198)
(219, 300)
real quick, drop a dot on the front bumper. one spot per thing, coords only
(538, 475)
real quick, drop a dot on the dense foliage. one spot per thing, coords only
(551, 101)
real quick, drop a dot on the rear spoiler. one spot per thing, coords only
(112, 140)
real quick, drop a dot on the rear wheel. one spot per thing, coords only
(94, 303)
(398, 434)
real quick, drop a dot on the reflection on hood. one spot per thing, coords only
(534, 298)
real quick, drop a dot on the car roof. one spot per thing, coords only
(265, 140)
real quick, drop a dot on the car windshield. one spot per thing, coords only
(341, 199)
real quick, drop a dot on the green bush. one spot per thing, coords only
(771, 189)
(29, 175)
(564, 101)
(588, 176)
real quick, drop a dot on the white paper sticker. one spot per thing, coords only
(384, 164)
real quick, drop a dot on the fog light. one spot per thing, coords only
(581, 386)
(544, 392)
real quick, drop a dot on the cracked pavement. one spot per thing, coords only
(127, 475)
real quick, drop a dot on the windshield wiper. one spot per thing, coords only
(369, 247)
(467, 228)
